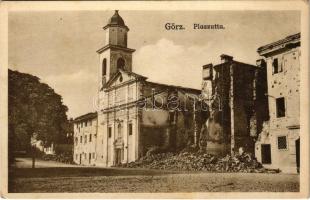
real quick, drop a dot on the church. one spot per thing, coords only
(135, 116)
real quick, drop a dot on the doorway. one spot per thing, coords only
(266, 153)
(118, 156)
(297, 146)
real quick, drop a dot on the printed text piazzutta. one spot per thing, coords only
(176, 27)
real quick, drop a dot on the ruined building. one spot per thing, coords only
(278, 143)
(135, 116)
(234, 92)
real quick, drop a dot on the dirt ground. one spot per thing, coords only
(91, 179)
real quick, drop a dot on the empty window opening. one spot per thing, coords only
(280, 106)
(276, 66)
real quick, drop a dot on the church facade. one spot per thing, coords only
(135, 116)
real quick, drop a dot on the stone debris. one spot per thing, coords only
(197, 161)
(63, 157)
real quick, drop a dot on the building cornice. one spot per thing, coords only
(121, 106)
(115, 47)
(115, 25)
(287, 43)
(109, 88)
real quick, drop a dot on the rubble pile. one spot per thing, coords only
(195, 161)
(63, 157)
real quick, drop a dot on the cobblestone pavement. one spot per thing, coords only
(72, 178)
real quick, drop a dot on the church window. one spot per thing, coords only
(104, 67)
(119, 130)
(109, 132)
(130, 128)
(125, 39)
(120, 63)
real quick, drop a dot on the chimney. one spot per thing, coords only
(207, 72)
(207, 66)
(260, 62)
(226, 58)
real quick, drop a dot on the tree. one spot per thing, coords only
(35, 111)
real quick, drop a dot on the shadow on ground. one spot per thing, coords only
(81, 172)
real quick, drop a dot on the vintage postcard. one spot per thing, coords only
(180, 99)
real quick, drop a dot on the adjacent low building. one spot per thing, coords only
(278, 144)
(85, 134)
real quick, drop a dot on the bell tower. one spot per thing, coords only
(114, 55)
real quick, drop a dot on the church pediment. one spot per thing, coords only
(122, 77)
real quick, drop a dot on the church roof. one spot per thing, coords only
(140, 77)
(116, 20)
(175, 86)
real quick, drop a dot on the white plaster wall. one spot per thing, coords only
(283, 84)
(88, 147)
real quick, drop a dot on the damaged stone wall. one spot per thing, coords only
(167, 121)
(260, 97)
(216, 128)
(234, 102)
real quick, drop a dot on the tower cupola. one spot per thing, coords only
(115, 20)
(116, 31)
(115, 54)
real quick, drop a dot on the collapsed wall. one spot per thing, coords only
(235, 95)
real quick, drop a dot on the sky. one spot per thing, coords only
(60, 46)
